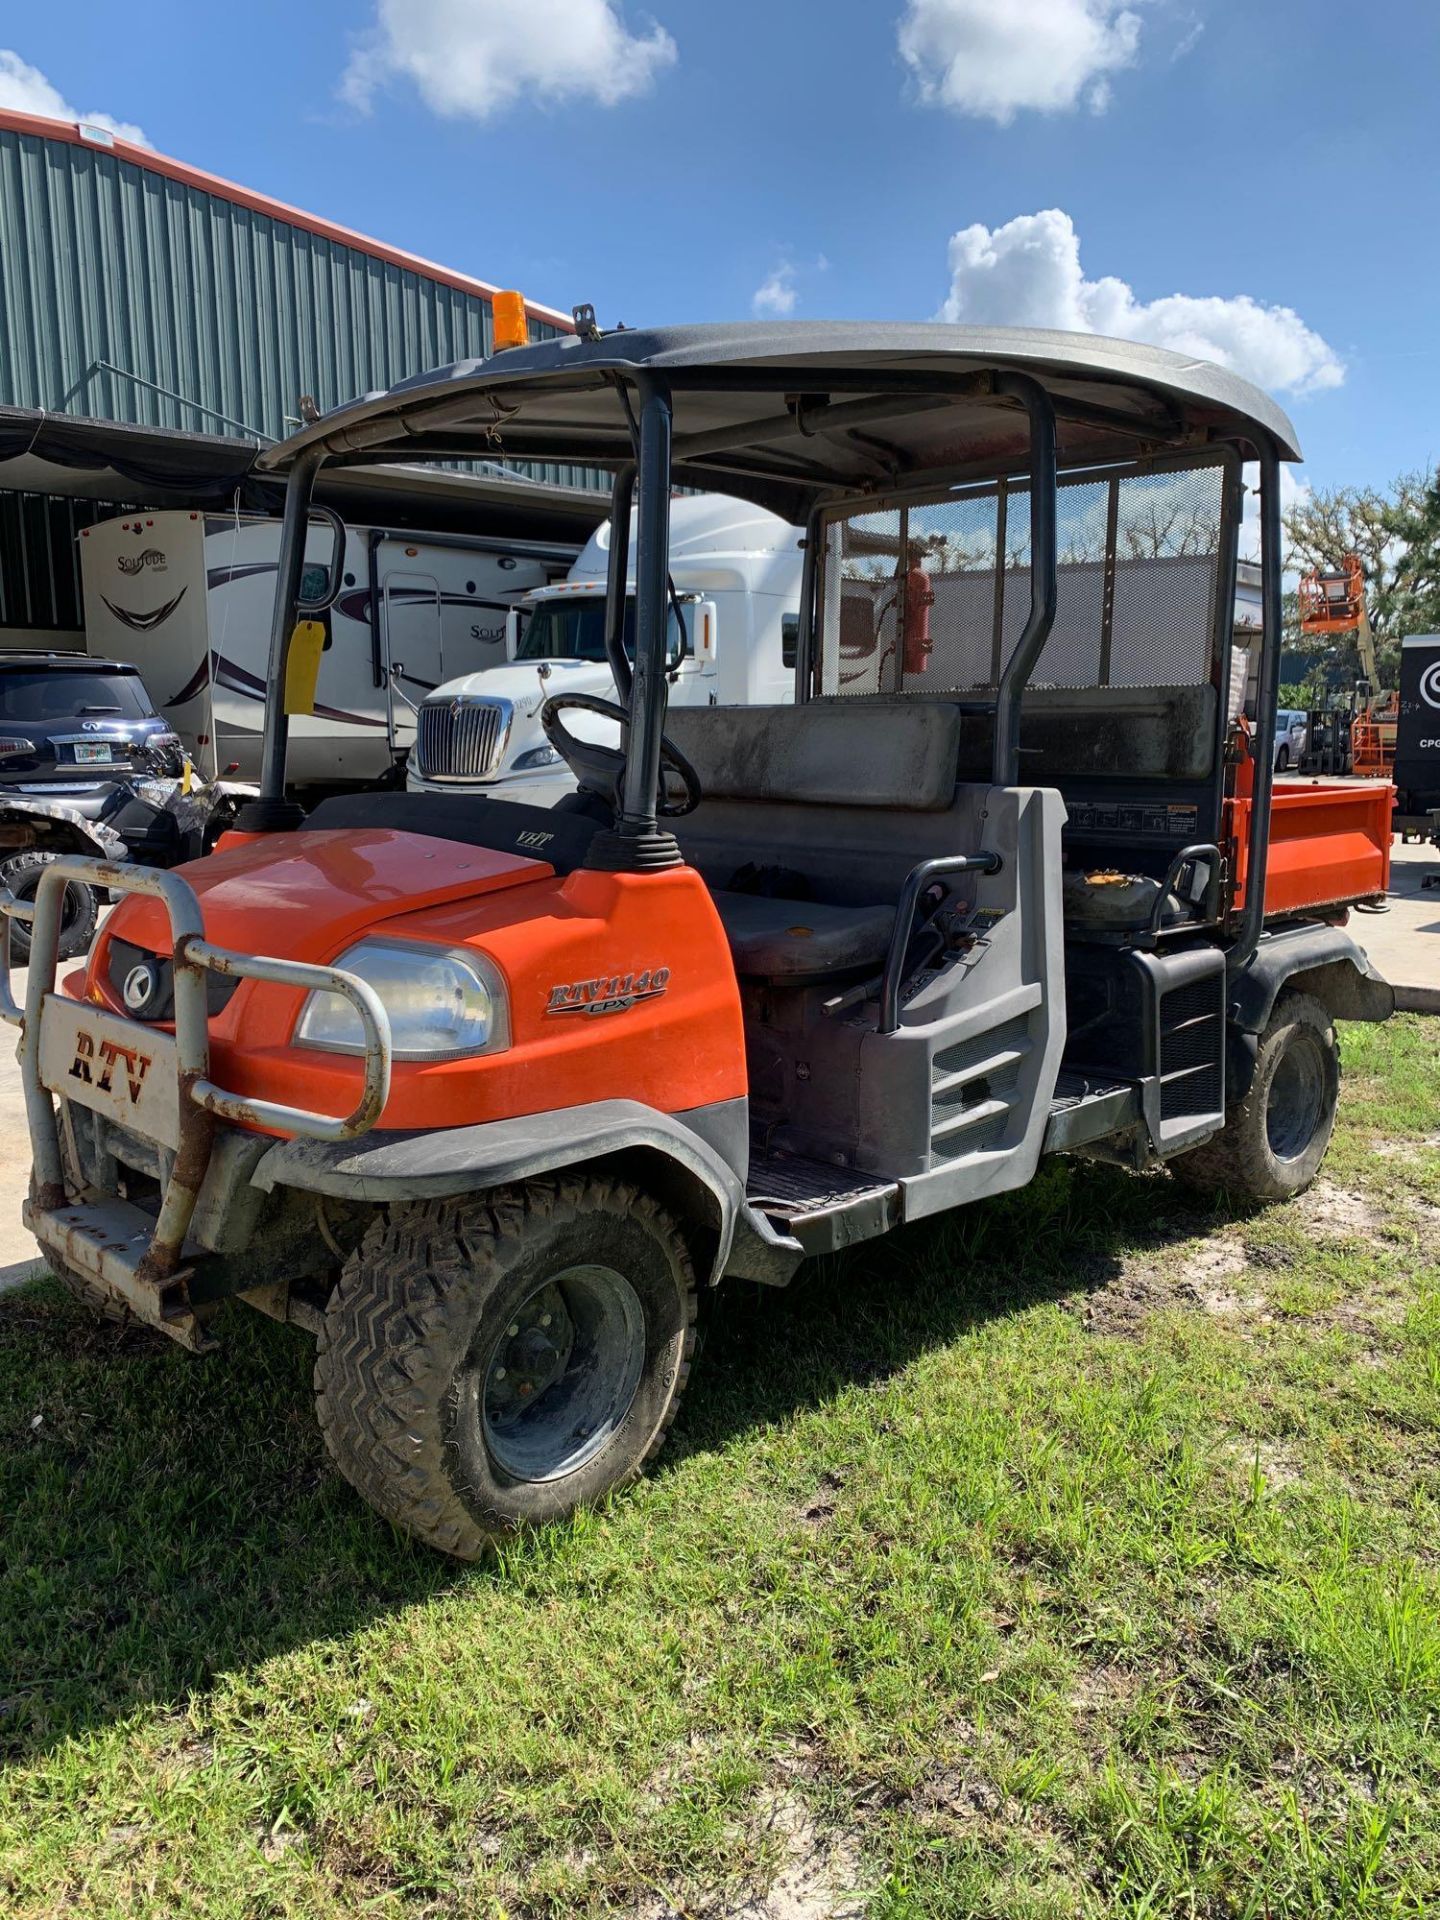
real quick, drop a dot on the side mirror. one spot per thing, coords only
(320, 585)
(512, 633)
(683, 632)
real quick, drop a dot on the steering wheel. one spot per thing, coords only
(599, 769)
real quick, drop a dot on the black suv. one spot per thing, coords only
(74, 734)
(70, 726)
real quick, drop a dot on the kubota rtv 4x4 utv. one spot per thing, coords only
(484, 1094)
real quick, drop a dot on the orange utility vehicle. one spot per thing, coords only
(486, 1095)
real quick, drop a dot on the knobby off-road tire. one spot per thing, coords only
(78, 914)
(1274, 1140)
(90, 1296)
(577, 1290)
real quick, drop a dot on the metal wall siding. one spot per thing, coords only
(39, 570)
(102, 260)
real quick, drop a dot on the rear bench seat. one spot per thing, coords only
(837, 799)
(828, 805)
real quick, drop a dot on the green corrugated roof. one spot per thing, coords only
(108, 263)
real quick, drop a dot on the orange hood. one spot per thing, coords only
(306, 896)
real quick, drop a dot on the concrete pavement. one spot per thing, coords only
(1404, 941)
(17, 1249)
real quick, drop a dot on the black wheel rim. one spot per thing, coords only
(1296, 1102)
(563, 1373)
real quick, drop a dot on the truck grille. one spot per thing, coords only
(461, 739)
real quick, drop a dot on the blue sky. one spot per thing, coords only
(670, 162)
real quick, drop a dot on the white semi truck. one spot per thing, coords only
(186, 597)
(736, 573)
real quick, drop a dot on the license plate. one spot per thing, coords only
(117, 1068)
(93, 750)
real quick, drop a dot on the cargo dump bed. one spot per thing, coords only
(1329, 844)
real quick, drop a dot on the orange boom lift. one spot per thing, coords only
(1333, 601)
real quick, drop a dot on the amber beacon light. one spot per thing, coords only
(511, 325)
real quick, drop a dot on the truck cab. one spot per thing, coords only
(730, 640)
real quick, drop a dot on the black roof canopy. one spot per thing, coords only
(790, 414)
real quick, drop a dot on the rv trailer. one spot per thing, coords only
(187, 596)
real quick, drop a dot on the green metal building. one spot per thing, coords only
(137, 289)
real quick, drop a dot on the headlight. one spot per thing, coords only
(536, 757)
(442, 1003)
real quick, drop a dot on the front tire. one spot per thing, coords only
(497, 1362)
(79, 910)
(1275, 1139)
(1282, 760)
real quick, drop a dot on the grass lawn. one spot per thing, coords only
(1075, 1556)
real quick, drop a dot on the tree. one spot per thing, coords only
(1414, 524)
(1325, 525)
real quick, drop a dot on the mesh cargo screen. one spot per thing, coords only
(1138, 570)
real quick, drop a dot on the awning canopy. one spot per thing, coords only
(66, 454)
(78, 458)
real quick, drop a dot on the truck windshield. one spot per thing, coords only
(70, 694)
(575, 630)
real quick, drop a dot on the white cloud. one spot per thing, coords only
(996, 58)
(473, 58)
(1027, 273)
(24, 89)
(776, 295)
(1294, 492)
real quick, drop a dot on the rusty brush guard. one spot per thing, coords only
(155, 1083)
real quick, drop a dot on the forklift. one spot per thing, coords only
(486, 1095)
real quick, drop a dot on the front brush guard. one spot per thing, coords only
(105, 1062)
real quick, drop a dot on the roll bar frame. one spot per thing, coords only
(649, 686)
(1267, 692)
(1044, 573)
(270, 811)
(644, 688)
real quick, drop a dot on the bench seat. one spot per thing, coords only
(799, 940)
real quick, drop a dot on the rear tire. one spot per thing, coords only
(492, 1363)
(78, 914)
(1275, 1139)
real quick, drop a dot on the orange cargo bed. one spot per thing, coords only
(1329, 843)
